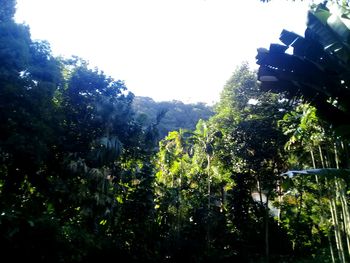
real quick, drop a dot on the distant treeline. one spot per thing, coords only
(173, 115)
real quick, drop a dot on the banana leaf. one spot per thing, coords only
(330, 173)
(318, 70)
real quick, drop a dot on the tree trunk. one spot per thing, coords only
(321, 156)
(209, 202)
(267, 245)
(330, 246)
(313, 159)
(345, 212)
(337, 231)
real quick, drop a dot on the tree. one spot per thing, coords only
(317, 71)
(7, 10)
(312, 144)
(177, 115)
(251, 151)
(73, 158)
(106, 153)
(29, 78)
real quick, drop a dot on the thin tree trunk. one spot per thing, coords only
(209, 202)
(209, 179)
(346, 222)
(266, 217)
(334, 227)
(344, 206)
(299, 214)
(323, 215)
(337, 231)
(259, 191)
(267, 246)
(346, 152)
(326, 164)
(329, 162)
(313, 159)
(321, 156)
(330, 246)
(345, 210)
(178, 207)
(279, 192)
(223, 198)
(336, 156)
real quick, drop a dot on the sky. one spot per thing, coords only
(164, 49)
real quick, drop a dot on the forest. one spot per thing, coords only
(89, 172)
(172, 115)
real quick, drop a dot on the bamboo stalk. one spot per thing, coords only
(338, 232)
(346, 152)
(321, 156)
(334, 228)
(344, 207)
(313, 158)
(336, 156)
(323, 215)
(331, 247)
(345, 211)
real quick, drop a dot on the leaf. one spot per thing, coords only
(330, 173)
(276, 48)
(288, 38)
(322, 13)
(333, 35)
(103, 222)
(318, 70)
(119, 199)
(287, 184)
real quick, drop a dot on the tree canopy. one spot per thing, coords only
(89, 172)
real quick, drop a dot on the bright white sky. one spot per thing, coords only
(164, 49)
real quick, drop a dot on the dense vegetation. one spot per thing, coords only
(86, 177)
(170, 115)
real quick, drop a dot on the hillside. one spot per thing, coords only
(177, 114)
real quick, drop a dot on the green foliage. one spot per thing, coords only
(322, 210)
(175, 114)
(317, 69)
(7, 10)
(74, 162)
(206, 177)
(89, 172)
(315, 205)
(252, 152)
